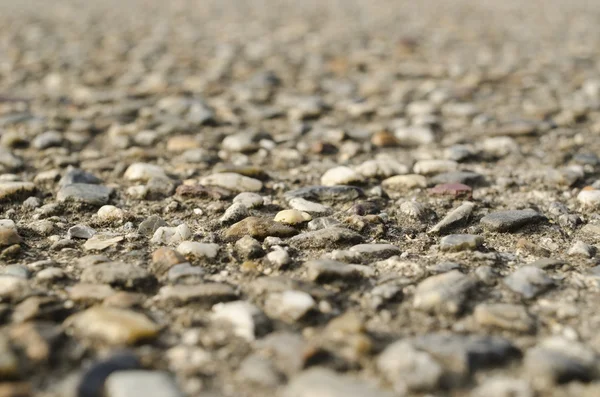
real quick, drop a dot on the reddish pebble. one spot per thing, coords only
(454, 189)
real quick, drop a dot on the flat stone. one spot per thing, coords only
(99, 242)
(89, 293)
(113, 326)
(409, 369)
(143, 172)
(446, 292)
(403, 182)
(258, 228)
(84, 193)
(372, 252)
(452, 189)
(247, 320)
(547, 263)
(11, 191)
(326, 193)
(507, 221)
(323, 382)
(185, 273)
(457, 217)
(341, 175)
(528, 281)
(117, 274)
(208, 293)
(504, 316)
(141, 383)
(431, 167)
(310, 207)
(198, 250)
(233, 181)
(327, 237)
(465, 177)
(502, 386)
(460, 242)
(181, 143)
(325, 270)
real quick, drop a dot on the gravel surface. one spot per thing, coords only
(299, 198)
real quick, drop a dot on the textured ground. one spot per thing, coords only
(437, 165)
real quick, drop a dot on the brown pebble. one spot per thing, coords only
(163, 259)
(124, 300)
(112, 325)
(384, 139)
(15, 389)
(259, 228)
(323, 148)
(9, 237)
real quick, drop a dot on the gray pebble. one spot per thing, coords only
(557, 360)
(47, 139)
(236, 212)
(528, 281)
(149, 225)
(249, 248)
(507, 221)
(76, 175)
(326, 383)
(249, 200)
(446, 292)
(185, 273)
(15, 271)
(81, 231)
(84, 193)
(141, 382)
